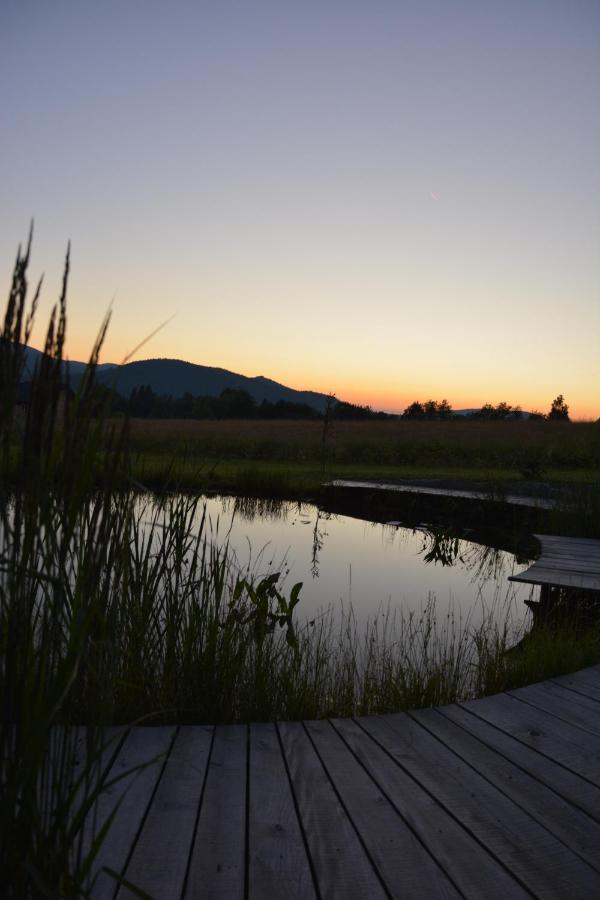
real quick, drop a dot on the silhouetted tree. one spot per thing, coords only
(414, 411)
(559, 411)
(500, 412)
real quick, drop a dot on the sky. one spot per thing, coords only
(389, 201)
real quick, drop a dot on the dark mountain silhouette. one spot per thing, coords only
(174, 377)
(75, 369)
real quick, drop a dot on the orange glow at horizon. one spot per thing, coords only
(365, 393)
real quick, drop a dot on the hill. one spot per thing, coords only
(175, 377)
(75, 369)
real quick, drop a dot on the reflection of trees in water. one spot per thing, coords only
(318, 539)
(250, 508)
(485, 563)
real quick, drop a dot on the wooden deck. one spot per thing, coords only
(457, 493)
(565, 562)
(495, 798)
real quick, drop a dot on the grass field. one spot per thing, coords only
(290, 458)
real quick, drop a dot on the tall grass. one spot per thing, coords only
(115, 609)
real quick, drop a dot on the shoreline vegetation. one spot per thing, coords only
(115, 614)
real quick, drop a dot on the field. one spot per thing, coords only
(291, 458)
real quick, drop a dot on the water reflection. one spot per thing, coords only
(341, 559)
(483, 562)
(319, 535)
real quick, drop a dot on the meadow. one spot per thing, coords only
(295, 458)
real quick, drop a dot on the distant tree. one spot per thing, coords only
(559, 411)
(536, 416)
(286, 409)
(431, 410)
(414, 411)
(443, 410)
(430, 407)
(501, 412)
(236, 404)
(354, 412)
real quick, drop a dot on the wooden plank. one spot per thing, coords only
(592, 544)
(404, 865)
(160, 858)
(342, 867)
(217, 860)
(475, 873)
(576, 749)
(582, 683)
(138, 767)
(575, 709)
(569, 563)
(564, 562)
(566, 822)
(549, 575)
(557, 579)
(512, 499)
(571, 548)
(562, 781)
(278, 865)
(110, 742)
(542, 864)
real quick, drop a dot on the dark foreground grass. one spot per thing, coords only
(115, 610)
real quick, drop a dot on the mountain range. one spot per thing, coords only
(174, 377)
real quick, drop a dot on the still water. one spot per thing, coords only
(343, 560)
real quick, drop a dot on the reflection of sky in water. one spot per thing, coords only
(361, 562)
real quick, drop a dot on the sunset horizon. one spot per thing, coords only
(395, 402)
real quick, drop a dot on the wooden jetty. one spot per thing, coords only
(493, 798)
(564, 562)
(452, 493)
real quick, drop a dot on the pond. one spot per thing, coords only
(343, 561)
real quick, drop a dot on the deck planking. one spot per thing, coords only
(451, 493)
(498, 798)
(564, 562)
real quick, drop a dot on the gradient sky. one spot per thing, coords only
(387, 200)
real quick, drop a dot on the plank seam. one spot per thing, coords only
(574, 690)
(133, 844)
(449, 812)
(412, 830)
(197, 820)
(347, 812)
(298, 816)
(102, 780)
(535, 749)
(547, 712)
(518, 765)
(497, 786)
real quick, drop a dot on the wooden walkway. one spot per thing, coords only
(458, 493)
(494, 798)
(565, 562)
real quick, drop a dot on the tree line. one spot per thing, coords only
(144, 403)
(439, 410)
(231, 403)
